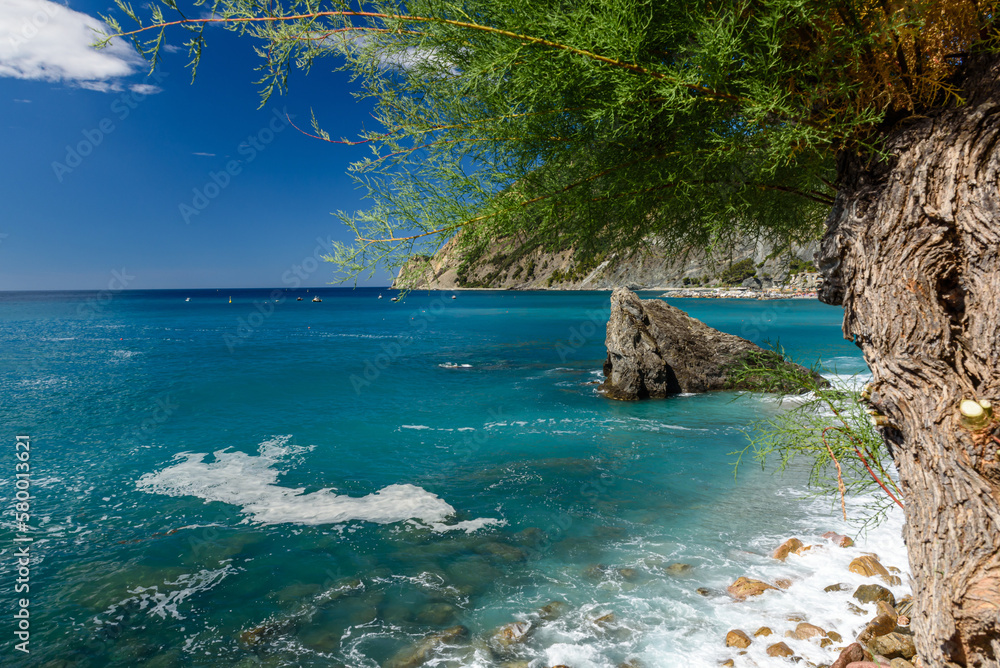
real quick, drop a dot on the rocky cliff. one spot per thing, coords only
(510, 264)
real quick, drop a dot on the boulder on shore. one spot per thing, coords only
(656, 350)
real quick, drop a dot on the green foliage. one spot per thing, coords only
(831, 429)
(797, 266)
(598, 125)
(737, 272)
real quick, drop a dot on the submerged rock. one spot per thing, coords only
(552, 610)
(422, 652)
(655, 350)
(511, 634)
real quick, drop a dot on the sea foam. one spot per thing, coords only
(250, 482)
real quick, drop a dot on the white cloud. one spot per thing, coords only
(44, 40)
(145, 89)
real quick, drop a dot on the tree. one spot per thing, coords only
(602, 124)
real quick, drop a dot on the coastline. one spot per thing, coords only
(666, 292)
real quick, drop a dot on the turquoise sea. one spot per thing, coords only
(277, 482)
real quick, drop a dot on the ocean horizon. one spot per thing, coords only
(233, 477)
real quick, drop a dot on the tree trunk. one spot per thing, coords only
(912, 251)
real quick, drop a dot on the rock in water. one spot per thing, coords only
(655, 350)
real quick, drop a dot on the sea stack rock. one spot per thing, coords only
(655, 350)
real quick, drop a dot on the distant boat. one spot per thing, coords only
(380, 296)
(317, 299)
(298, 299)
(453, 297)
(395, 299)
(188, 299)
(230, 300)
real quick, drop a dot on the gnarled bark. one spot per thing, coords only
(912, 251)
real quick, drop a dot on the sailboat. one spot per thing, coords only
(230, 300)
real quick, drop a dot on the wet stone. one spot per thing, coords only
(870, 593)
(837, 587)
(422, 651)
(504, 552)
(744, 588)
(790, 546)
(511, 634)
(552, 610)
(738, 638)
(437, 614)
(779, 649)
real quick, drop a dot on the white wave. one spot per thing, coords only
(250, 482)
(468, 526)
(164, 604)
(414, 426)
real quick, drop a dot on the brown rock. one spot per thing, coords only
(551, 610)
(855, 609)
(703, 591)
(839, 540)
(779, 649)
(868, 565)
(605, 620)
(883, 608)
(737, 638)
(900, 663)
(850, 654)
(865, 664)
(511, 634)
(762, 632)
(744, 587)
(656, 350)
(728, 662)
(786, 548)
(872, 592)
(805, 630)
(881, 625)
(894, 645)
(905, 606)
(837, 587)
(783, 583)
(834, 636)
(679, 569)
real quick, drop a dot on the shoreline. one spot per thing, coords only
(666, 292)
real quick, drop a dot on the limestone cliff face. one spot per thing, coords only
(509, 265)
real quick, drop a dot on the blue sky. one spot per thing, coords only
(99, 160)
